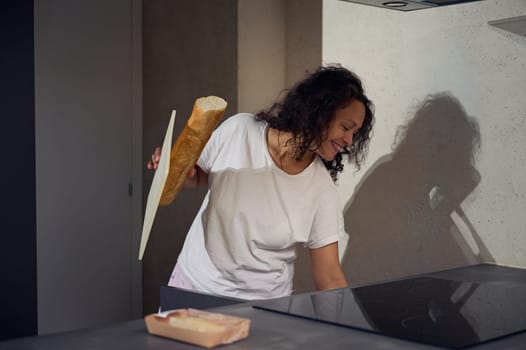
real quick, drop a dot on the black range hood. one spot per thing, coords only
(409, 5)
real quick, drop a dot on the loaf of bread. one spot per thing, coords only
(206, 114)
(198, 327)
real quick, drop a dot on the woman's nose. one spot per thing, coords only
(347, 138)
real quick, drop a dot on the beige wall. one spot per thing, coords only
(279, 41)
(261, 53)
(422, 203)
(304, 38)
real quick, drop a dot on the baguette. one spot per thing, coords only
(206, 114)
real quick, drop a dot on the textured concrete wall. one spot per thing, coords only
(443, 184)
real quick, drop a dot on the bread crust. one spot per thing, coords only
(206, 114)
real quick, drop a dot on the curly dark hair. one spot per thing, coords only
(308, 108)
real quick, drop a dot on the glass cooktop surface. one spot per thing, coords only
(434, 311)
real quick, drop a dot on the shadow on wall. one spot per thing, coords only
(405, 216)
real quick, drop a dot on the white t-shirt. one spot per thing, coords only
(242, 241)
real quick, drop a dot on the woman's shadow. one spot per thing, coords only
(405, 216)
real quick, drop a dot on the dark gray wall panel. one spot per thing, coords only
(88, 271)
(190, 50)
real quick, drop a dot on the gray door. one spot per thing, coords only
(88, 273)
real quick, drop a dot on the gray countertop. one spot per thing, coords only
(271, 330)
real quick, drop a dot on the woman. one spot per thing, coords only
(271, 186)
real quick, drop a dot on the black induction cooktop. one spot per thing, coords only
(434, 311)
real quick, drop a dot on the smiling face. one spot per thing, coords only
(345, 123)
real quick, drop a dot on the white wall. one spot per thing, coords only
(399, 218)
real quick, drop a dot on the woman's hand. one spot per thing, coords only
(154, 162)
(196, 176)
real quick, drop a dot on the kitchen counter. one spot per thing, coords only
(270, 330)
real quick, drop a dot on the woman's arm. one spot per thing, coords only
(196, 177)
(326, 269)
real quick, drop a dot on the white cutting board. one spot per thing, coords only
(159, 179)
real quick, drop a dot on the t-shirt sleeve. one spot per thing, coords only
(328, 224)
(224, 138)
